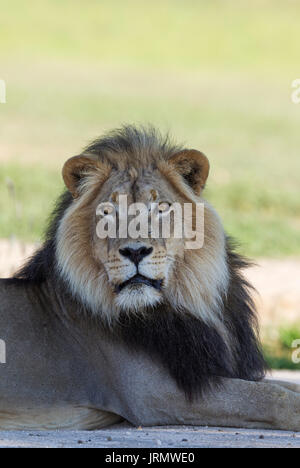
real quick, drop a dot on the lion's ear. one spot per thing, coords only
(75, 169)
(193, 166)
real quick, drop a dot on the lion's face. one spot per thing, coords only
(131, 273)
(138, 269)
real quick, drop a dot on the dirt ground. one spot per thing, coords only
(276, 281)
(126, 436)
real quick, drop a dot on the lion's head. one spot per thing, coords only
(125, 274)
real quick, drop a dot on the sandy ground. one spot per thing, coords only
(12, 255)
(278, 283)
(124, 436)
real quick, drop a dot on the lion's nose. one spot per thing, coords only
(136, 255)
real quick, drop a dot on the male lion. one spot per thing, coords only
(98, 330)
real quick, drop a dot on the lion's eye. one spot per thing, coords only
(105, 209)
(164, 207)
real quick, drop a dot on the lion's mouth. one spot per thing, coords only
(140, 279)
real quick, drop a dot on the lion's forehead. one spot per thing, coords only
(144, 186)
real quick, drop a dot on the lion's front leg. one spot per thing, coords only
(263, 405)
(239, 403)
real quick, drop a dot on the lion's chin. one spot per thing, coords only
(137, 297)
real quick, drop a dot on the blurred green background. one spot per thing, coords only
(216, 73)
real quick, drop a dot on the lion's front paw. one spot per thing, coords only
(287, 409)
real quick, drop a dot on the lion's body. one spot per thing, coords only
(67, 375)
(89, 340)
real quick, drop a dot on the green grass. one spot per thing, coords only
(165, 33)
(217, 74)
(279, 350)
(27, 198)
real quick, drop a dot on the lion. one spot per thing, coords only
(100, 330)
